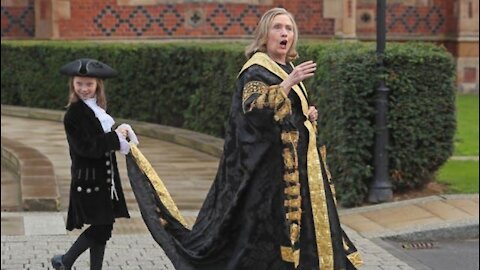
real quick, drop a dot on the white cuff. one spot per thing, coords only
(124, 146)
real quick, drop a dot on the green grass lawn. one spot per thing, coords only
(466, 138)
(462, 176)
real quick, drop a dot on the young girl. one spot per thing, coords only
(96, 195)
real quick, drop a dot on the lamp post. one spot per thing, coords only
(381, 187)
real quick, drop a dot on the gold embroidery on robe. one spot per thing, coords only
(297, 215)
(157, 183)
(289, 159)
(293, 199)
(355, 259)
(289, 255)
(294, 203)
(293, 190)
(291, 177)
(265, 96)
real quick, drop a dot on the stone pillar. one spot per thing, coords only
(349, 26)
(344, 13)
(467, 46)
(47, 16)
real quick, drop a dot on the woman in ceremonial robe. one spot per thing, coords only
(272, 203)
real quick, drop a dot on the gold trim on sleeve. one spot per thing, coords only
(264, 96)
(254, 87)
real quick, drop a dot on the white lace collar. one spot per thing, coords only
(105, 119)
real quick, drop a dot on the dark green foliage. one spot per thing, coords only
(210, 103)
(190, 86)
(421, 118)
(422, 112)
(343, 89)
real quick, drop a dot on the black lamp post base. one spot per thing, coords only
(380, 195)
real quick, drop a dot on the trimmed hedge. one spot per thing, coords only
(421, 118)
(190, 86)
(159, 82)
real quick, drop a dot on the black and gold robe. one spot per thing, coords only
(272, 204)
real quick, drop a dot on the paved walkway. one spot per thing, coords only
(28, 239)
(186, 173)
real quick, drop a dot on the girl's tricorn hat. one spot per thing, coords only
(86, 67)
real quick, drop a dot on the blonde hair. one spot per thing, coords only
(259, 43)
(100, 94)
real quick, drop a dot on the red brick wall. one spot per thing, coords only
(409, 20)
(18, 21)
(106, 19)
(309, 16)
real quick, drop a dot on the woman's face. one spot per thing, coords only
(280, 38)
(85, 87)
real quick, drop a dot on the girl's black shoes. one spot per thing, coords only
(57, 263)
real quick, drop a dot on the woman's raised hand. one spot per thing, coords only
(301, 72)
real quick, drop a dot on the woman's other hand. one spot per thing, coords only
(312, 114)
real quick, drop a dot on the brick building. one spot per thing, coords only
(453, 23)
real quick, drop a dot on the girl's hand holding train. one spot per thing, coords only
(129, 133)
